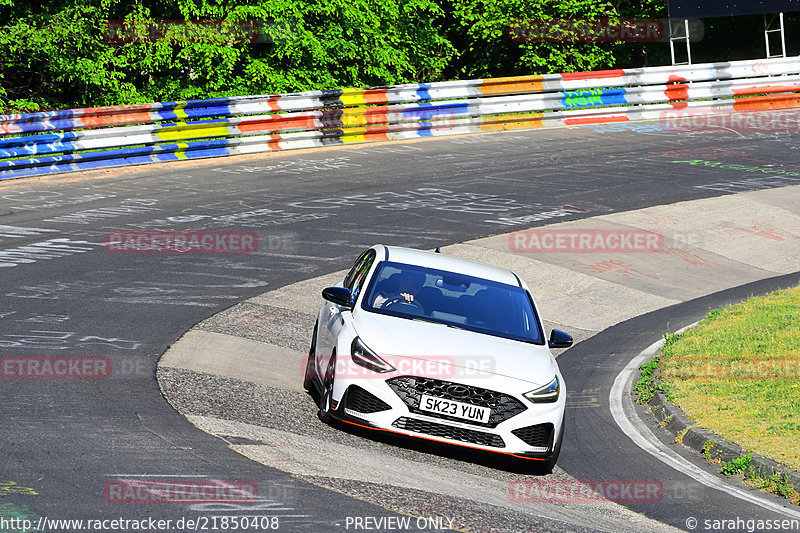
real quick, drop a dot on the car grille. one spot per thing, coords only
(538, 436)
(449, 432)
(409, 389)
(364, 402)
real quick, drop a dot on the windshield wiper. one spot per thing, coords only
(423, 319)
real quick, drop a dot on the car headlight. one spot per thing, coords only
(367, 358)
(547, 394)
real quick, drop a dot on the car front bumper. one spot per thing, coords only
(379, 404)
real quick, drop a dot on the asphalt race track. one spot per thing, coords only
(66, 440)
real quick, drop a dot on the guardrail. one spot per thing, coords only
(81, 139)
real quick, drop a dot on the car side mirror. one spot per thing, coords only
(559, 339)
(338, 295)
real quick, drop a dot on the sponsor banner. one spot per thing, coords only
(135, 491)
(55, 367)
(181, 242)
(586, 491)
(586, 241)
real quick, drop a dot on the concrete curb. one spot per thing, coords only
(695, 437)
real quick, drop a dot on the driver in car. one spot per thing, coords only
(399, 288)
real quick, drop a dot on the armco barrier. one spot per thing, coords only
(80, 139)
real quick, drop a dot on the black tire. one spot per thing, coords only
(326, 396)
(308, 380)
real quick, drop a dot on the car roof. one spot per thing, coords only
(447, 262)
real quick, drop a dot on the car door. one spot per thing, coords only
(332, 317)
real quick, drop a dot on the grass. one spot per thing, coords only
(738, 374)
(777, 483)
(647, 384)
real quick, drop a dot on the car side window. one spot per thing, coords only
(361, 275)
(349, 280)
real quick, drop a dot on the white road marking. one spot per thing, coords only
(49, 249)
(18, 232)
(628, 421)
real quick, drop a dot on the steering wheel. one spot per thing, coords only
(403, 301)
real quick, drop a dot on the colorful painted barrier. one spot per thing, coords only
(81, 139)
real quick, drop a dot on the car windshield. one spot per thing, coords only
(457, 300)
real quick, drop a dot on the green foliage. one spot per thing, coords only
(482, 30)
(737, 466)
(781, 485)
(646, 387)
(671, 338)
(777, 483)
(60, 54)
(707, 445)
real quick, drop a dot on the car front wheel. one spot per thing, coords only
(326, 398)
(308, 378)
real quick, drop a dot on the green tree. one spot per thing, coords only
(66, 53)
(59, 54)
(483, 30)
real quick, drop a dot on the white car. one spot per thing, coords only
(431, 346)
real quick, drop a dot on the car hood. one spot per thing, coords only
(415, 344)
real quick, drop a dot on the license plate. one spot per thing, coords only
(465, 411)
